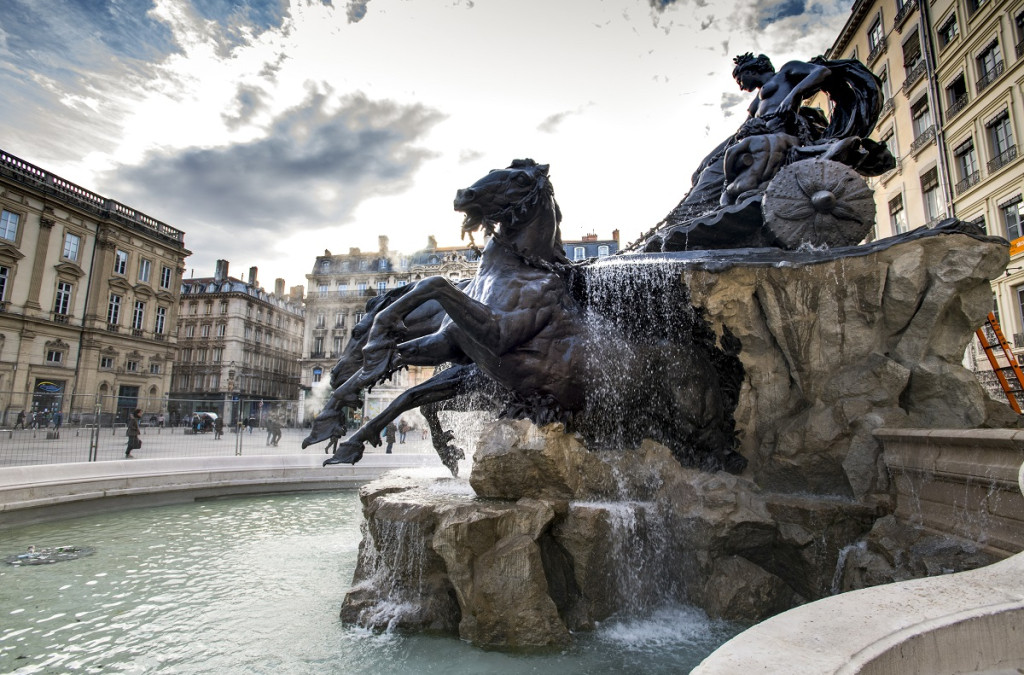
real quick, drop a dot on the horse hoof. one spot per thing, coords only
(347, 453)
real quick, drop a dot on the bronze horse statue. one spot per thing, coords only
(524, 329)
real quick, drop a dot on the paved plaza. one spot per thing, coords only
(32, 446)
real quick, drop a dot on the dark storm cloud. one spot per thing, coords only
(249, 101)
(313, 168)
(777, 10)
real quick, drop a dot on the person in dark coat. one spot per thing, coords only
(133, 433)
(389, 436)
(21, 420)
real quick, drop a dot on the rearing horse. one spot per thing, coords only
(519, 324)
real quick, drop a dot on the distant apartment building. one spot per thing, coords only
(591, 247)
(954, 106)
(238, 348)
(88, 299)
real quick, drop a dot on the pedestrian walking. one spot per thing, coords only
(21, 420)
(134, 442)
(403, 429)
(218, 428)
(389, 436)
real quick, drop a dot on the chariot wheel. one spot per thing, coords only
(818, 202)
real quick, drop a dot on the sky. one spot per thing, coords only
(271, 131)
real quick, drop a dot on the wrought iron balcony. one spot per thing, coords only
(113, 328)
(914, 75)
(922, 140)
(60, 318)
(877, 51)
(990, 77)
(1002, 159)
(887, 107)
(968, 182)
(957, 107)
(136, 332)
(1018, 340)
(905, 11)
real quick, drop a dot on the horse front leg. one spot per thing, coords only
(442, 386)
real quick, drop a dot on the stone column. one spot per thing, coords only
(39, 263)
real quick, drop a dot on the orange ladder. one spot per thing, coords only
(1012, 388)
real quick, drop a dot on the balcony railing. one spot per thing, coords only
(922, 140)
(159, 336)
(113, 328)
(877, 51)
(990, 77)
(60, 318)
(914, 75)
(904, 13)
(1002, 159)
(957, 107)
(1020, 49)
(968, 182)
(136, 332)
(1018, 340)
(887, 107)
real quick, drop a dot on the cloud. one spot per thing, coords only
(356, 10)
(316, 164)
(730, 101)
(551, 123)
(249, 102)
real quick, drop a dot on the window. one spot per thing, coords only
(1000, 137)
(5, 273)
(114, 309)
(401, 282)
(603, 251)
(897, 216)
(579, 253)
(382, 264)
(154, 369)
(208, 308)
(912, 52)
(361, 287)
(193, 308)
(889, 140)
(204, 331)
(948, 31)
(120, 262)
(217, 353)
(201, 355)
(967, 165)
(921, 115)
(956, 95)
(990, 65)
(161, 320)
(106, 363)
(186, 355)
(318, 346)
(359, 316)
(382, 287)
(71, 244)
(132, 366)
(62, 303)
(974, 5)
(323, 290)
(165, 276)
(9, 225)
(875, 36)
(248, 332)
(145, 266)
(190, 331)
(342, 289)
(222, 329)
(1013, 218)
(933, 206)
(223, 306)
(337, 345)
(886, 86)
(317, 374)
(339, 320)
(54, 356)
(321, 320)
(139, 315)
(325, 266)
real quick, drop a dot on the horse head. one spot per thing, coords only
(507, 198)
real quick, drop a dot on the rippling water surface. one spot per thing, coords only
(254, 585)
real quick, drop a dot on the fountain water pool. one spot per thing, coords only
(254, 585)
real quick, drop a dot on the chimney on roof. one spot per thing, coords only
(296, 293)
(354, 251)
(615, 234)
(382, 242)
(220, 270)
(279, 287)
(432, 242)
(252, 276)
(590, 237)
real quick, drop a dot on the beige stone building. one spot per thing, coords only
(955, 78)
(89, 297)
(238, 349)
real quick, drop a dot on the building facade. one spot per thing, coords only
(238, 349)
(89, 297)
(953, 124)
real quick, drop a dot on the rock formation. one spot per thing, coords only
(555, 537)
